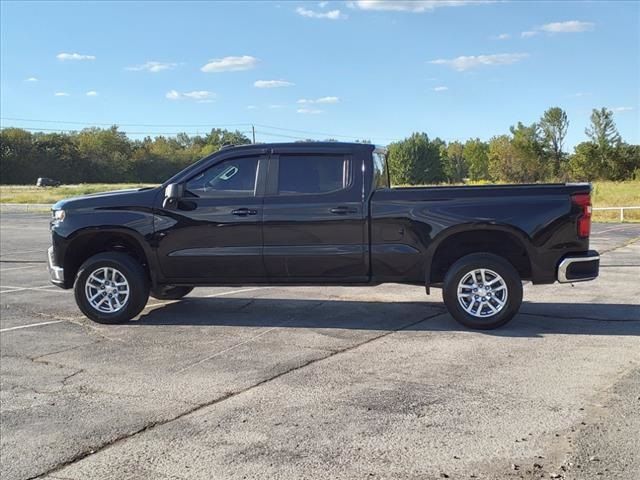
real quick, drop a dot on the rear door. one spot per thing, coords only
(314, 219)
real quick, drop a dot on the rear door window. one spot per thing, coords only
(313, 174)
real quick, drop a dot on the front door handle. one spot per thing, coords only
(342, 210)
(243, 212)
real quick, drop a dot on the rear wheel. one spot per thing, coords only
(171, 293)
(111, 287)
(482, 291)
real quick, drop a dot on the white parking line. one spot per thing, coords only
(20, 268)
(30, 325)
(10, 289)
(150, 305)
(4, 254)
(220, 294)
(613, 229)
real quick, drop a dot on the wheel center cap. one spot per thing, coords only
(482, 292)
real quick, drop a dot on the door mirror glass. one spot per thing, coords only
(172, 194)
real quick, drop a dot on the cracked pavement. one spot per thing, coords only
(319, 382)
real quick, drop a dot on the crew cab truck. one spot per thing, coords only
(318, 214)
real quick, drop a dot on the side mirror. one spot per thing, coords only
(172, 193)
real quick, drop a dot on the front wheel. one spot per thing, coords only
(111, 287)
(482, 291)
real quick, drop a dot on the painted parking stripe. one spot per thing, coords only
(20, 268)
(44, 252)
(31, 325)
(612, 229)
(219, 294)
(10, 289)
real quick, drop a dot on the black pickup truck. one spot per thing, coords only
(318, 214)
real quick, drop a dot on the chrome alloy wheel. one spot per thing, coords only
(107, 290)
(482, 293)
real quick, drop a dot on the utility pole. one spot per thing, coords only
(253, 132)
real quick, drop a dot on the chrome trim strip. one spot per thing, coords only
(564, 266)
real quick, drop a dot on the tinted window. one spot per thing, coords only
(231, 178)
(304, 174)
(380, 178)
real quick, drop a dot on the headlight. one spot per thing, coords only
(58, 215)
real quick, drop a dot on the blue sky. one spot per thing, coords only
(376, 70)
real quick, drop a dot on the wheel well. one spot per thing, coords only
(503, 244)
(91, 244)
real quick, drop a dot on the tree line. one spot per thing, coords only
(528, 153)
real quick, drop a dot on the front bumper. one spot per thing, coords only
(579, 268)
(56, 274)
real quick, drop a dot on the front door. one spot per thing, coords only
(314, 219)
(215, 233)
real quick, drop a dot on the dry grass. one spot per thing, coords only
(31, 194)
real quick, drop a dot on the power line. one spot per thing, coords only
(60, 130)
(202, 125)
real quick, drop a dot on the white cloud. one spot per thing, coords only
(31, 79)
(74, 56)
(153, 67)
(61, 94)
(319, 100)
(529, 34)
(201, 96)
(251, 107)
(571, 26)
(441, 89)
(622, 109)
(272, 83)
(309, 111)
(414, 6)
(330, 15)
(323, 4)
(91, 93)
(473, 61)
(503, 36)
(230, 64)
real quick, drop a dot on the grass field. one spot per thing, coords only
(605, 194)
(31, 194)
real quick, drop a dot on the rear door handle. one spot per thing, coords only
(243, 212)
(342, 210)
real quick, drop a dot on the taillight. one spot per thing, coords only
(583, 200)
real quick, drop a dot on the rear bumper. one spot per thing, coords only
(56, 274)
(579, 268)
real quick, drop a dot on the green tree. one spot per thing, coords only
(603, 131)
(454, 163)
(476, 153)
(586, 164)
(415, 161)
(16, 156)
(529, 154)
(554, 124)
(502, 159)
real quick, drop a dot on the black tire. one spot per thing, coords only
(499, 265)
(134, 275)
(171, 293)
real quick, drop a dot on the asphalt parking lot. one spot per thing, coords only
(319, 382)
